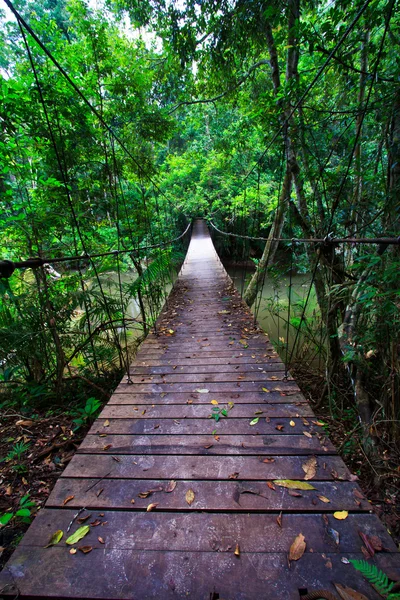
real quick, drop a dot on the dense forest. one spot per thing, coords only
(121, 122)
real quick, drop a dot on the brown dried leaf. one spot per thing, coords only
(144, 494)
(107, 446)
(271, 485)
(233, 475)
(279, 519)
(106, 423)
(347, 593)
(237, 550)
(324, 499)
(294, 494)
(307, 434)
(190, 497)
(85, 549)
(171, 485)
(152, 506)
(101, 540)
(68, 499)
(208, 446)
(269, 460)
(298, 547)
(310, 468)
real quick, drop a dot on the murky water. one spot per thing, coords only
(272, 312)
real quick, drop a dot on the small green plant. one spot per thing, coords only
(17, 451)
(23, 513)
(377, 578)
(87, 413)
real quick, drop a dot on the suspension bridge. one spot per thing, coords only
(206, 476)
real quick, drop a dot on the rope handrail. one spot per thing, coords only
(329, 239)
(7, 267)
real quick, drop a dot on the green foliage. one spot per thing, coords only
(88, 413)
(17, 451)
(377, 578)
(23, 513)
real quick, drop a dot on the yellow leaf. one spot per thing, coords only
(237, 550)
(292, 424)
(341, 514)
(106, 423)
(190, 497)
(294, 485)
(324, 499)
(55, 538)
(215, 402)
(72, 551)
(298, 547)
(265, 390)
(171, 331)
(151, 506)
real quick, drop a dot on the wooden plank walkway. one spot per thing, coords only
(157, 433)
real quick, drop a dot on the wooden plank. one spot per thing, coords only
(215, 496)
(139, 369)
(197, 378)
(211, 532)
(231, 426)
(123, 574)
(124, 395)
(178, 411)
(138, 466)
(213, 388)
(195, 444)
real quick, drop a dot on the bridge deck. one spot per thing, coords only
(210, 482)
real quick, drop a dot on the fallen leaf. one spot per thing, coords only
(324, 499)
(151, 506)
(83, 519)
(101, 540)
(68, 499)
(78, 535)
(85, 549)
(271, 485)
(215, 402)
(266, 390)
(202, 391)
(367, 543)
(309, 468)
(254, 421)
(328, 564)
(99, 492)
(292, 424)
(279, 519)
(294, 485)
(237, 550)
(24, 423)
(233, 475)
(294, 493)
(190, 497)
(107, 447)
(269, 460)
(208, 446)
(55, 538)
(347, 593)
(171, 485)
(279, 427)
(376, 543)
(144, 494)
(298, 547)
(334, 535)
(307, 434)
(106, 423)
(132, 501)
(341, 514)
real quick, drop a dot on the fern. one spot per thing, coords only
(377, 578)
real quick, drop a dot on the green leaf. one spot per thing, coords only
(23, 512)
(55, 538)
(255, 421)
(294, 485)
(78, 535)
(6, 518)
